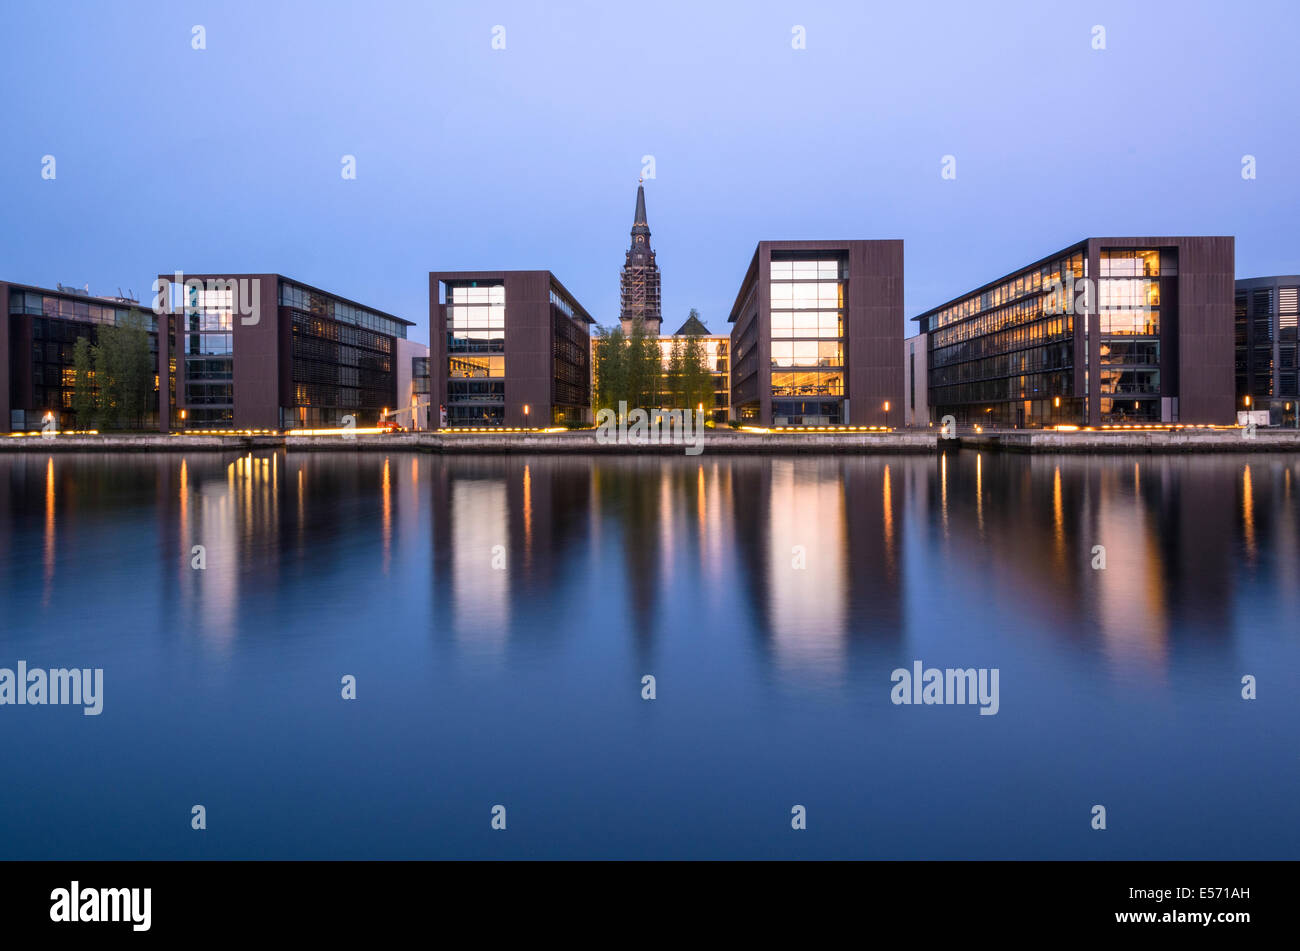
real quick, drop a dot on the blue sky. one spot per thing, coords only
(229, 158)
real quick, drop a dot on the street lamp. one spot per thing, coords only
(525, 416)
(886, 414)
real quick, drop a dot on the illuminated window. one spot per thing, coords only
(472, 366)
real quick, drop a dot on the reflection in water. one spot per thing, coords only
(1058, 521)
(480, 582)
(521, 599)
(48, 547)
(1248, 513)
(388, 516)
(804, 556)
(817, 554)
(1130, 590)
(943, 490)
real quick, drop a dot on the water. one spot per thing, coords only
(522, 686)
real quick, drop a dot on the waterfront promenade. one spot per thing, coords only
(712, 441)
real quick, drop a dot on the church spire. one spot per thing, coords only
(639, 224)
(640, 278)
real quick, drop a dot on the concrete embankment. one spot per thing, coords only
(1128, 441)
(585, 442)
(140, 443)
(713, 442)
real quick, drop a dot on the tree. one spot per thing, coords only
(611, 369)
(106, 360)
(123, 372)
(697, 376)
(83, 385)
(644, 366)
(674, 378)
(136, 371)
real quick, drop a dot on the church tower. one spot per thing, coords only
(640, 281)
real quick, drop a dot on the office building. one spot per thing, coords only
(262, 351)
(1109, 331)
(1266, 370)
(508, 349)
(817, 333)
(37, 357)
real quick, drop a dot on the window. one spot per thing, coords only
(1124, 262)
(476, 322)
(468, 366)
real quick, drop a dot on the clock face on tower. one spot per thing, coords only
(640, 239)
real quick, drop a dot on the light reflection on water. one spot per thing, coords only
(500, 611)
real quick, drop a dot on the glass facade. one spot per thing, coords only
(1128, 290)
(807, 333)
(570, 362)
(37, 304)
(1267, 310)
(55, 324)
(1005, 356)
(716, 356)
(339, 370)
(313, 302)
(1010, 355)
(420, 376)
(476, 357)
(744, 365)
(208, 345)
(341, 357)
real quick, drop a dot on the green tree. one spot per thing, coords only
(675, 376)
(644, 368)
(107, 360)
(83, 384)
(611, 369)
(697, 375)
(124, 372)
(136, 370)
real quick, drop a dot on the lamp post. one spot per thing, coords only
(886, 414)
(526, 407)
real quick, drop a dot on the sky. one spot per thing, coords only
(230, 158)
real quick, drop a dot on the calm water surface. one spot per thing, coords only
(522, 686)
